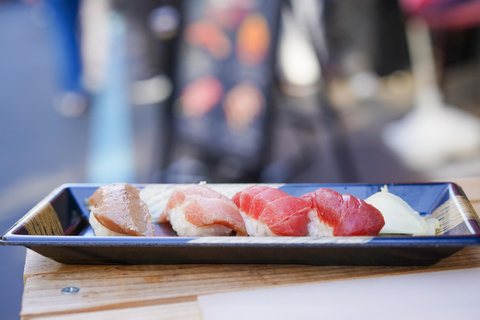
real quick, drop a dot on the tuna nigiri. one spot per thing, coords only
(271, 212)
(196, 210)
(117, 210)
(334, 214)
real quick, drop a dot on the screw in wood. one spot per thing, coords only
(70, 290)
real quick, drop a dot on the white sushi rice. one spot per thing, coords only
(99, 229)
(256, 228)
(184, 228)
(316, 228)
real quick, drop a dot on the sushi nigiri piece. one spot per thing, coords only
(400, 218)
(117, 210)
(271, 212)
(334, 214)
(196, 210)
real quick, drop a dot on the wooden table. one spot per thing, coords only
(171, 291)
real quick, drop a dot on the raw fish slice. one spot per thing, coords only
(116, 209)
(287, 216)
(262, 200)
(326, 203)
(179, 194)
(243, 199)
(156, 196)
(359, 218)
(193, 207)
(342, 215)
(203, 212)
(271, 212)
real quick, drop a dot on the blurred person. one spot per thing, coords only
(72, 99)
(63, 19)
(453, 26)
(444, 14)
(435, 133)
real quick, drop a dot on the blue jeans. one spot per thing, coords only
(66, 43)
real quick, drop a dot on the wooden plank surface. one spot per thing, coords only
(170, 291)
(178, 311)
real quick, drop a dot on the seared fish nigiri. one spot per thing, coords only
(117, 210)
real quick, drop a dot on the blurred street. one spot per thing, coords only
(41, 148)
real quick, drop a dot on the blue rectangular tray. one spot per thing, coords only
(58, 228)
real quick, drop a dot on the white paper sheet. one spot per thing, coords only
(434, 295)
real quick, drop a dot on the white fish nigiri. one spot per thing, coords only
(399, 217)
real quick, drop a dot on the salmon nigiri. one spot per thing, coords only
(271, 212)
(196, 210)
(334, 214)
(117, 210)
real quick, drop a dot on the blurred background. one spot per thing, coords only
(159, 91)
